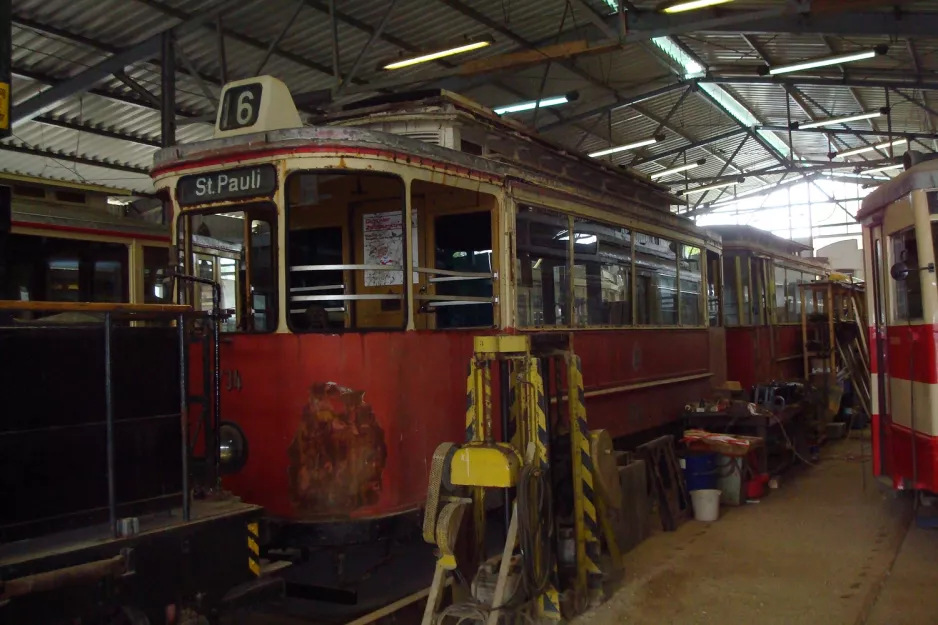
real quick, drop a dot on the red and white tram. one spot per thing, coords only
(900, 231)
(358, 260)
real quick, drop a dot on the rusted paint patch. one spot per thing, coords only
(338, 453)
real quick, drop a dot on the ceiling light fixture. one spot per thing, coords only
(691, 5)
(711, 187)
(870, 148)
(628, 146)
(838, 120)
(544, 102)
(837, 59)
(468, 46)
(677, 170)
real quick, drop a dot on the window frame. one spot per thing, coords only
(407, 300)
(187, 253)
(895, 317)
(673, 237)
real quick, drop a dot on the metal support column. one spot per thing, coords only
(109, 425)
(168, 91)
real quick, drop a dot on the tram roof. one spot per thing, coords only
(921, 176)
(740, 236)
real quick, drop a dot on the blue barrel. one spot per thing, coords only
(700, 471)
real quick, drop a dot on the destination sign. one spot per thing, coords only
(230, 184)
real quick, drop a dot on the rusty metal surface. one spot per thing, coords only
(338, 453)
(62, 578)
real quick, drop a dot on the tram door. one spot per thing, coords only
(878, 313)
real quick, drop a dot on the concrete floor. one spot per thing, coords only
(818, 550)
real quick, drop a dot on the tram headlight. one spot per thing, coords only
(233, 447)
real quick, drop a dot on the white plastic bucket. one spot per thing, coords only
(706, 504)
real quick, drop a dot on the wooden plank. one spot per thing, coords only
(92, 307)
(537, 56)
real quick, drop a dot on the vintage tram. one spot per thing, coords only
(762, 304)
(359, 258)
(900, 231)
(67, 244)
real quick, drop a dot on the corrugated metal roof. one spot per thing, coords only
(57, 39)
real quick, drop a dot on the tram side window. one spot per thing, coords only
(236, 250)
(781, 302)
(156, 289)
(456, 257)
(64, 270)
(730, 291)
(542, 283)
(690, 286)
(656, 281)
(714, 288)
(908, 292)
(345, 247)
(793, 294)
(602, 272)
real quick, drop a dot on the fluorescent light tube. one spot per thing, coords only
(691, 5)
(628, 146)
(837, 120)
(837, 59)
(870, 148)
(529, 106)
(677, 170)
(433, 56)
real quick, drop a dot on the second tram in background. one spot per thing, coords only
(67, 244)
(358, 260)
(762, 304)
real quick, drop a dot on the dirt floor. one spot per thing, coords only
(819, 550)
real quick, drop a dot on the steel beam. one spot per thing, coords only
(693, 145)
(617, 104)
(74, 158)
(119, 98)
(168, 91)
(95, 44)
(806, 81)
(855, 133)
(847, 23)
(71, 124)
(83, 81)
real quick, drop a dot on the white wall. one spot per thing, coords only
(844, 256)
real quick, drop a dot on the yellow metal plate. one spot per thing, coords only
(490, 466)
(4, 105)
(501, 344)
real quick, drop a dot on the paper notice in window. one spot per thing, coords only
(383, 240)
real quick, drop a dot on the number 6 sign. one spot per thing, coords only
(241, 106)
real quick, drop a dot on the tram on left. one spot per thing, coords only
(109, 515)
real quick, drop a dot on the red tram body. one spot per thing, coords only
(900, 230)
(762, 304)
(344, 370)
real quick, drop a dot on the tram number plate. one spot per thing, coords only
(229, 184)
(240, 107)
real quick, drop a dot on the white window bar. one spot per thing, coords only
(306, 289)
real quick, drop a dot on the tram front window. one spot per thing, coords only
(345, 251)
(236, 250)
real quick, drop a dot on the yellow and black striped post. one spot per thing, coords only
(586, 521)
(475, 432)
(254, 550)
(532, 386)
